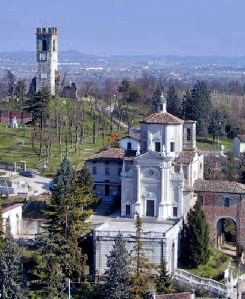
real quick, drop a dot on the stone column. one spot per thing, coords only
(138, 201)
(161, 203)
(181, 200)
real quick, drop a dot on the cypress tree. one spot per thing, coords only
(163, 282)
(142, 271)
(198, 106)
(173, 102)
(117, 275)
(11, 269)
(196, 238)
(155, 98)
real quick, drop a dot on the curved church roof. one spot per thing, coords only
(162, 118)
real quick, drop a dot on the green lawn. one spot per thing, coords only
(16, 145)
(215, 267)
(207, 144)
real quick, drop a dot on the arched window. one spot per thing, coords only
(44, 46)
(188, 134)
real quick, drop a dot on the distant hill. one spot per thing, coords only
(75, 56)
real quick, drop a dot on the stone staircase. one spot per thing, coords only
(196, 282)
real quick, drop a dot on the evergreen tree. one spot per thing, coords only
(50, 276)
(142, 272)
(60, 187)
(163, 282)
(62, 178)
(217, 124)
(117, 275)
(11, 269)
(198, 106)
(196, 243)
(67, 220)
(84, 178)
(174, 105)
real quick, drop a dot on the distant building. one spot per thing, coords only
(47, 59)
(238, 145)
(13, 214)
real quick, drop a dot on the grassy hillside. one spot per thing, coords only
(16, 145)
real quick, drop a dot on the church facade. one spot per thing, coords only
(153, 173)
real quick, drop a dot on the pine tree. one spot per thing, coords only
(67, 220)
(117, 275)
(196, 238)
(60, 187)
(62, 178)
(173, 102)
(50, 276)
(163, 282)
(142, 272)
(84, 178)
(11, 269)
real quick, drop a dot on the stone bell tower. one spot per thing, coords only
(47, 59)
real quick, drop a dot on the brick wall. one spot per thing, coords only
(22, 117)
(214, 208)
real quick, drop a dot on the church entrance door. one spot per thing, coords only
(150, 208)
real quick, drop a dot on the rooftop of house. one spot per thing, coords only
(218, 186)
(133, 136)
(162, 118)
(241, 137)
(185, 295)
(127, 225)
(110, 153)
(12, 207)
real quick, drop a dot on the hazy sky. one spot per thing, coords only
(169, 27)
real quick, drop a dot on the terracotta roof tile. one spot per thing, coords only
(162, 118)
(113, 153)
(185, 157)
(218, 186)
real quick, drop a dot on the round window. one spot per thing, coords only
(151, 172)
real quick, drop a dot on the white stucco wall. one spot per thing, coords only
(238, 147)
(124, 143)
(15, 219)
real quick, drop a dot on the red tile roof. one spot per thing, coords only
(187, 156)
(162, 118)
(185, 295)
(218, 186)
(112, 153)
